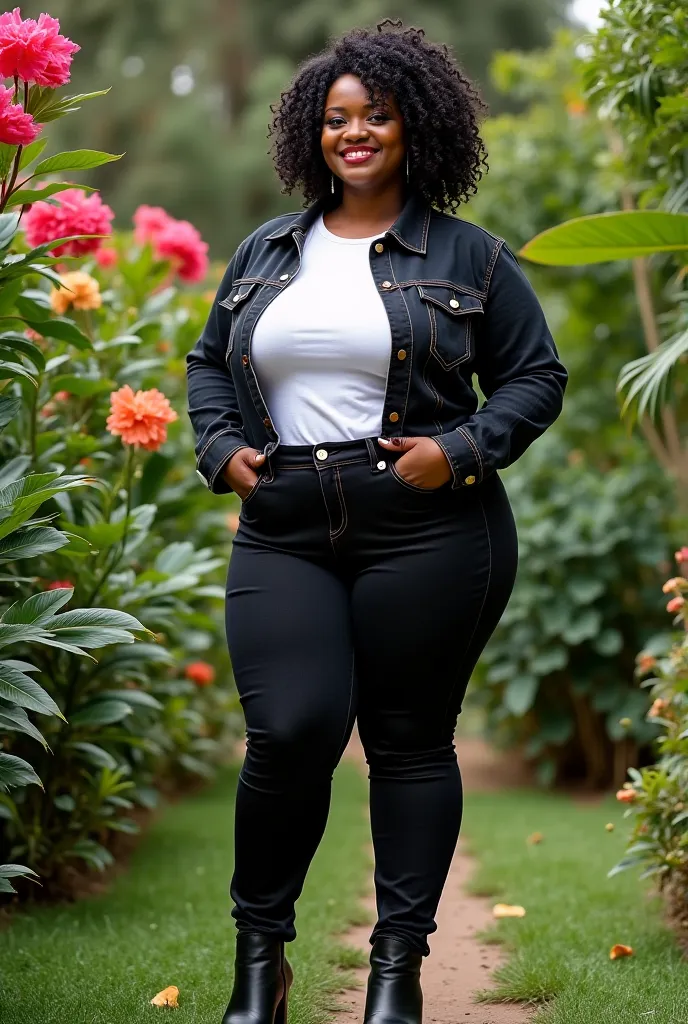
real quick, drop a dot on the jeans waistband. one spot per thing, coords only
(328, 453)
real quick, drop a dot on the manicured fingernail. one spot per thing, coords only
(383, 440)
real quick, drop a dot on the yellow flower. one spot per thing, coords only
(79, 290)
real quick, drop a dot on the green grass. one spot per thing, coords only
(559, 953)
(166, 922)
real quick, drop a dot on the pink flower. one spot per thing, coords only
(34, 50)
(149, 221)
(673, 584)
(106, 258)
(675, 604)
(16, 127)
(681, 555)
(626, 796)
(181, 243)
(77, 214)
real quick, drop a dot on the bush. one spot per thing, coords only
(106, 537)
(557, 677)
(657, 796)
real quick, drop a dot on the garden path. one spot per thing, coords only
(459, 964)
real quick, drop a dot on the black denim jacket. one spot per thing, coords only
(458, 304)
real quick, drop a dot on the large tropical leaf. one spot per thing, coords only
(19, 688)
(30, 543)
(15, 771)
(646, 380)
(609, 236)
(75, 160)
(15, 719)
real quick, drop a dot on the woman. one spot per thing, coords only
(331, 389)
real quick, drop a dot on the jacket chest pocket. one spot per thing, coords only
(453, 316)
(237, 303)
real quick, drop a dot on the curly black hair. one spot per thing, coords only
(440, 106)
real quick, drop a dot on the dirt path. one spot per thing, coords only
(459, 964)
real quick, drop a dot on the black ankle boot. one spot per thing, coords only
(262, 977)
(394, 992)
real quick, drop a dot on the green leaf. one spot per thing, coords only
(76, 160)
(609, 236)
(94, 754)
(18, 343)
(15, 771)
(15, 871)
(9, 407)
(84, 387)
(9, 371)
(35, 195)
(21, 689)
(9, 223)
(30, 543)
(15, 719)
(100, 712)
(133, 696)
(583, 627)
(62, 329)
(520, 692)
(109, 617)
(31, 152)
(39, 609)
(609, 642)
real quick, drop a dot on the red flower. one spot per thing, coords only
(200, 673)
(34, 50)
(76, 214)
(149, 221)
(16, 127)
(181, 243)
(106, 258)
(59, 585)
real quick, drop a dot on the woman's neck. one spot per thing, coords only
(361, 214)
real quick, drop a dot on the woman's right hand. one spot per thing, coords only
(240, 470)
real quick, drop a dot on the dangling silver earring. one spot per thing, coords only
(332, 185)
(407, 166)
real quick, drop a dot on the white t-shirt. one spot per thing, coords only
(321, 348)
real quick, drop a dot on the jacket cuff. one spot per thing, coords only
(464, 457)
(213, 458)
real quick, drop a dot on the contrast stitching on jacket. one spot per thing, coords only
(258, 280)
(206, 446)
(424, 238)
(490, 266)
(433, 391)
(457, 482)
(462, 289)
(467, 437)
(434, 350)
(410, 367)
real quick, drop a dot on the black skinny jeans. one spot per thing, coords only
(352, 593)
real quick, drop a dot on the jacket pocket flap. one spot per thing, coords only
(451, 300)
(238, 295)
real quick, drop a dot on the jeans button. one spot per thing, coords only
(321, 454)
(382, 465)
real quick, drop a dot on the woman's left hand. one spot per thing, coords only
(423, 464)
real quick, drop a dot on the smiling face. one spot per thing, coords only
(363, 143)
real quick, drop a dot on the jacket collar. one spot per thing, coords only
(410, 228)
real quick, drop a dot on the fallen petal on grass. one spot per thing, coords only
(507, 910)
(616, 952)
(535, 838)
(168, 997)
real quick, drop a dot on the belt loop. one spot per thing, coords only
(372, 454)
(269, 469)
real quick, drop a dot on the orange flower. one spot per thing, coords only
(675, 604)
(616, 952)
(79, 290)
(646, 662)
(673, 584)
(658, 707)
(140, 418)
(626, 796)
(200, 673)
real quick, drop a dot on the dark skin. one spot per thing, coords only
(373, 195)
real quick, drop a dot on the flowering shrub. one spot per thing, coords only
(94, 494)
(658, 795)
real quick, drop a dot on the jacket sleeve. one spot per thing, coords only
(519, 373)
(212, 400)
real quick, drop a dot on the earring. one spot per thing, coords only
(407, 166)
(332, 185)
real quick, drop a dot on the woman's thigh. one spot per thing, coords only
(289, 637)
(421, 617)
